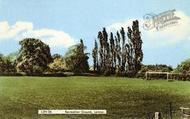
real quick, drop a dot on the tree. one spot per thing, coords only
(2, 65)
(123, 51)
(12, 56)
(112, 53)
(76, 59)
(101, 52)
(184, 67)
(105, 59)
(119, 55)
(135, 53)
(58, 64)
(6, 66)
(95, 56)
(34, 56)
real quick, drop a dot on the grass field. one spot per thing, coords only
(21, 97)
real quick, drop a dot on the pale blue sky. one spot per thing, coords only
(84, 18)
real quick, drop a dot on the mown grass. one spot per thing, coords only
(21, 97)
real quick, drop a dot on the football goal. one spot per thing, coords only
(168, 75)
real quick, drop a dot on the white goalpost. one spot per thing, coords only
(164, 73)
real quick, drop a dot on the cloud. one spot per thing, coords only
(7, 31)
(52, 37)
(169, 35)
(21, 30)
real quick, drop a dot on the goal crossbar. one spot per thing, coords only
(167, 73)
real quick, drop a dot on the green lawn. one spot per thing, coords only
(21, 97)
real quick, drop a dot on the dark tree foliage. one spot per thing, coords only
(101, 51)
(34, 57)
(112, 54)
(156, 68)
(57, 65)
(183, 67)
(121, 55)
(76, 59)
(123, 52)
(2, 65)
(104, 53)
(95, 56)
(6, 66)
(118, 53)
(135, 49)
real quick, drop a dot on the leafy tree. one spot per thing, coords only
(105, 60)
(76, 59)
(95, 56)
(123, 51)
(107, 57)
(184, 67)
(2, 65)
(6, 66)
(13, 56)
(58, 64)
(135, 53)
(101, 52)
(119, 55)
(34, 56)
(112, 53)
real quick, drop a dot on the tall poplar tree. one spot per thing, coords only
(95, 56)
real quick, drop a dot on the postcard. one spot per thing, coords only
(94, 59)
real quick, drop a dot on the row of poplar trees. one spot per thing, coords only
(119, 54)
